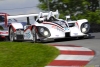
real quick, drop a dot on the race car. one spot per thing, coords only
(78, 28)
(46, 27)
(4, 23)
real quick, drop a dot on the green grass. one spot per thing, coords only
(24, 54)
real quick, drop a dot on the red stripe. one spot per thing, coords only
(28, 28)
(77, 24)
(68, 63)
(68, 52)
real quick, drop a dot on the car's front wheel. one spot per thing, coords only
(11, 35)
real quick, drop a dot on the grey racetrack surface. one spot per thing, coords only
(93, 44)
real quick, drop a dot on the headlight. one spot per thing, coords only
(43, 31)
(85, 27)
(46, 33)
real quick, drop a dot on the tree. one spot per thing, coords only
(76, 8)
(64, 6)
(93, 5)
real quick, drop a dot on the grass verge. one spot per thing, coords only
(23, 54)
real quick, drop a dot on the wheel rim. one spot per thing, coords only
(11, 35)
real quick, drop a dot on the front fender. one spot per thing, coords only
(17, 25)
(81, 21)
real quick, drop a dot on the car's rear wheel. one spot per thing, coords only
(11, 35)
(34, 35)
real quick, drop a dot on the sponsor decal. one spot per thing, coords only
(66, 28)
(27, 35)
(56, 27)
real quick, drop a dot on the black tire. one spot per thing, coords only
(88, 36)
(34, 35)
(11, 35)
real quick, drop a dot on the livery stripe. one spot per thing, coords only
(54, 24)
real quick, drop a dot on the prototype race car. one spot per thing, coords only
(78, 28)
(45, 27)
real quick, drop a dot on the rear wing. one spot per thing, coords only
(56, 13)
(29, 15)
(20, 16)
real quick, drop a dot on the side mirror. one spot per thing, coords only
(68, 18)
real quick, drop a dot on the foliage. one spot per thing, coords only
(76, 8)
(93, 17)
(64, 6)
(23, 54)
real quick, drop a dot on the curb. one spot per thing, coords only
(71, 55)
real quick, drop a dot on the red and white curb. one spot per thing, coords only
(72, 56)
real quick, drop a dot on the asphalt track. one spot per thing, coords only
(93, 44)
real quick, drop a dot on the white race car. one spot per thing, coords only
(45, 27)
(78, 28)
(4, 23)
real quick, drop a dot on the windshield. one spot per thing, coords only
(2, 19)
(12, 20)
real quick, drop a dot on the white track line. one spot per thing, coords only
(73, 48)
(74, 57)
